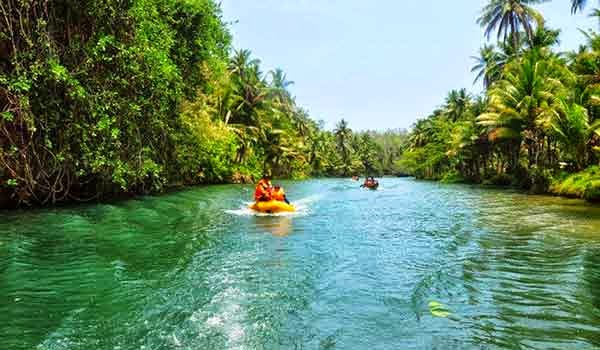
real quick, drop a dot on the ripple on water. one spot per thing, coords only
(352, 269)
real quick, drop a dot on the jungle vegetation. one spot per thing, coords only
(536, 125)
(102, 98)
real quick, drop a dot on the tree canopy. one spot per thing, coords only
(99, 98)
(537, 120)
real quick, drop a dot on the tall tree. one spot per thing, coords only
(530, 87)
(488, 65)
(457, 103)
(570, 123)
(508, 17)
(343, 135)
(577, 5)
(544, 38)
(279, 85)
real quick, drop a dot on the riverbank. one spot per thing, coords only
(8, 203)
(581, 185)
(9, 200)
(585, 185)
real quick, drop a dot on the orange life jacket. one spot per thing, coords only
(278, 195)
(262, 190)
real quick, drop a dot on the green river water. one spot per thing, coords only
(352, 269)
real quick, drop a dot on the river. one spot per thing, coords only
(352, 269)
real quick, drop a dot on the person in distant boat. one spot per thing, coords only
(278, 194)
(369, 182)
(263, 189)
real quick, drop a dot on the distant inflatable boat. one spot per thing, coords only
(371, 186)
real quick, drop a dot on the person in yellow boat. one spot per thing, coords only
(263, 189)
(278, 194)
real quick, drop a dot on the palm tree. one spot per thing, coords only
(457, 103)
(595, 13)
(301, 122)
(279, 80)
(544, 37)
(241, 61)
(343, 136)
(489, 65)
(586, 64)
(367, 152)
(422, 133)
(247, 137)
(570, 123)
(508, 17)
(279, 85)
(249, 88)
(577, 5)
(317, 149)
(517, 103)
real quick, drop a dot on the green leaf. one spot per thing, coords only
(7, 116)
(11, 182)
(438, 309)
(59, 71)
(21, 85)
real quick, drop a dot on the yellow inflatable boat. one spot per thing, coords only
(272, 207)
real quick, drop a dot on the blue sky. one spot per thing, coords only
(378, 64)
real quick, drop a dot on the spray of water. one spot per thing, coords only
(303, 207)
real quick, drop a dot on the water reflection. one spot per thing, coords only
(279, 226)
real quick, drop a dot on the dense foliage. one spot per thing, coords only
(99, 98)
(537, 121)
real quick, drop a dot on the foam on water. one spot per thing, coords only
(303, 207)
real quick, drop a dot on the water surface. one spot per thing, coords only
(353, 269)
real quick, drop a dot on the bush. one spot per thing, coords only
(521, 178)
(540, 180)
(452, 176)
(499, 180)
(204, 148)
(585, 184)
(592, 191)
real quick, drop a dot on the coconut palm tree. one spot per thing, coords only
(595, 13)
(577, 5)
(508, 17)
(343, 136)
(544, 38)
(457, 103)
(422, 133)
(529, 88)
(279, 80)
(279, 86)
(301, 122)
(367, 153)
(249, 89)
(241, 61)
(489, 65)
(570, 124)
